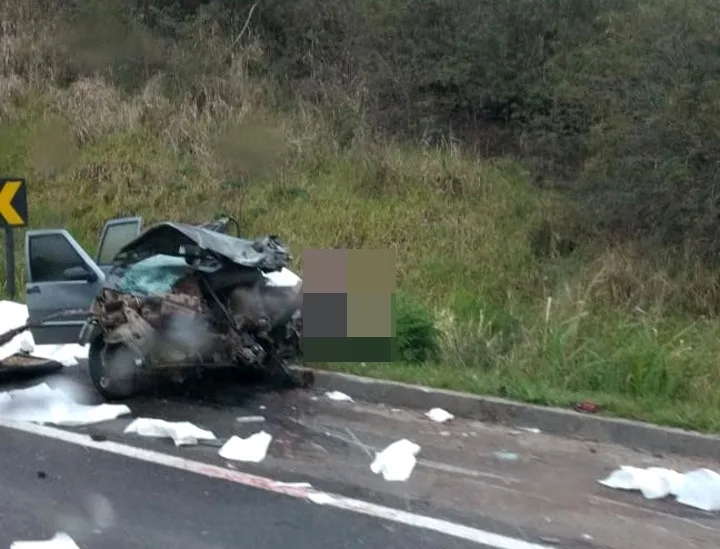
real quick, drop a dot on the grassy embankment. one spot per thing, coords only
(546, 330)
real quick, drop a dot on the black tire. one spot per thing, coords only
(113, 371)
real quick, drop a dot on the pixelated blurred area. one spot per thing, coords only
(325, 271)
(369, 314)
(348, 305)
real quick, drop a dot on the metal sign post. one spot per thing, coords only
(13, 215)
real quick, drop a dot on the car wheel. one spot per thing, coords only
(113, 370)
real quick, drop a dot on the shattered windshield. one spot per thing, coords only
(155, 275)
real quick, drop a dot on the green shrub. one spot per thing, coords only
(417, 336)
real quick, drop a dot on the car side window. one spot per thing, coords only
(115, 237)
(50, 256)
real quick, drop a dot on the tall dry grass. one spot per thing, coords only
(192, 132)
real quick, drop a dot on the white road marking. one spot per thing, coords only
(299, 491)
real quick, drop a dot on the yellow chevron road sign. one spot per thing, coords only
(13, 203)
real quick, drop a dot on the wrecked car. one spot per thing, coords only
(173, 299)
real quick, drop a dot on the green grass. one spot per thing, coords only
(600, 324)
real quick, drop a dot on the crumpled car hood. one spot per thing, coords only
(266, 254)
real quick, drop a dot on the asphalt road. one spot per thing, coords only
(530, 488)
(50, 485)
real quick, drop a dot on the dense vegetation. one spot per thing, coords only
(546, 170)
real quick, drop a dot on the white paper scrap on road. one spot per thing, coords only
(58, 541)
(100, 510)
(699, 488)
(252, 449)
(439, 415)
(652, 483)
(43, 404)
(338, 396)
(397, 461)
(182, 433)
(13, 315)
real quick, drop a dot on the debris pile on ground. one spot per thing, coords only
(43, 404)
(58, 541)
(338, 396)
(439, 415)
(699, 488)
(397, 461)
(252, 449)
(13, 315)
(183, 433)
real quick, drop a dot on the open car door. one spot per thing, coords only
(61, 276)
(115, 234)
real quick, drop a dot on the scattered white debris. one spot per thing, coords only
(587, 537)
(183, 433)
(58, 541)
(506, 456)
(252, 449)
(250, 419)
(338, 396)
(699, 488)
(101, 511)
(533, 430)
(653, 482)
(320, 498)
(397, 461)
(13, 315)
(43, 404)
(439, 415)
(67, 355)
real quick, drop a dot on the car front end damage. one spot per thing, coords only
(209, 305)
